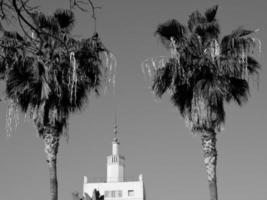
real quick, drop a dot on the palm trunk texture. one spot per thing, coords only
(210, 160)
(51, 141)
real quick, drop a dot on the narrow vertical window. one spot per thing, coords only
(119, 193)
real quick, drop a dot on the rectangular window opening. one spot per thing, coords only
(130, 193)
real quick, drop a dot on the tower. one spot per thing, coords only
(115, 162)
(115, 187)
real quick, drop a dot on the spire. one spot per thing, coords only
(115, 130)
(115, 142)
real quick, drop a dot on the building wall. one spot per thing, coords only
(115, 168)
(117, 190)
(115, 173)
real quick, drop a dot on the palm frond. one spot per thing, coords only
(194, 46)
(65, 19)
(211, 13)
(211, 88)
(163, 79)
(238, 90)
(18, 83)
(182, 97)
(171, 29)
(236, 42)
(48, 23)
(195, 19)
(241, 32)
(253, 65)
(208, 30)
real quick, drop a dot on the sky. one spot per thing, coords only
(152, 134)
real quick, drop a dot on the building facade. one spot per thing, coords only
(115, 187)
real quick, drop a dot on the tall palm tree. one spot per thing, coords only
(202, 73)
(50, 75)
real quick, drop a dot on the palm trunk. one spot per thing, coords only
(210, 159)
(51, 141)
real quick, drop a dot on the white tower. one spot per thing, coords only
(115, 162)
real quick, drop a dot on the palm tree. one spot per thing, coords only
(50, 75)
(95, 196)
(202, 73)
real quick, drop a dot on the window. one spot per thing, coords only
(113, 194)
(130, 193)
(119, 193)
(107, 194)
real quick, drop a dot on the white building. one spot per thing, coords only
(116, 187)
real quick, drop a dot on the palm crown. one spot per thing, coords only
(204, 71)
(51, 74)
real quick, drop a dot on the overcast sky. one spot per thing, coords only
(153, 136)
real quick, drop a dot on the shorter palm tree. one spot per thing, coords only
(51, 76)
(95, 196)
(202, 73)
